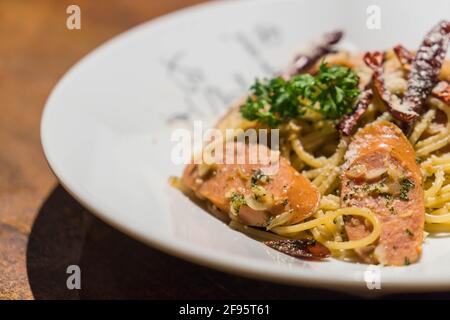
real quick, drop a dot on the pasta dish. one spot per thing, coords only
(359, 165)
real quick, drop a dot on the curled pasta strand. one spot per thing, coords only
(422, 126)
(329, 217)
(439, 216)
(326, 184)
(329, 202)
(328, 228)
(306, 157)
(323, 175)
(445, 189)
(319, 162)
(318, 235)
(443, 140)
(438, 201)
(313, 173)
(437, 184)
(280, 220)
(445, 218)
(433, 139)
(440, 140)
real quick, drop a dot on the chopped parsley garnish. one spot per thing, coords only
(258, 177)
(332, 92)
(392, 210)
(405, 186)
(237, 200)
(386, 195)
(407, 262)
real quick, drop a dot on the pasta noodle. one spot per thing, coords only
(307, 144)
(329, 218)
(316, 149)
(422, 126)
(306, 157)
(300, 144)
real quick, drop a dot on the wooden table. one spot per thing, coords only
(42, 228)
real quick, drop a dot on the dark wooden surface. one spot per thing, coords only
(42, 228)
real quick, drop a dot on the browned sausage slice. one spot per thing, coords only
(381, 173)
(234, 185)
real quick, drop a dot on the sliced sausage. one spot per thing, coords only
(380, 173)
(231, 187)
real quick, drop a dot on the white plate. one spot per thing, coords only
(106, 126)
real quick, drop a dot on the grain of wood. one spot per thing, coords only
(35, 51)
